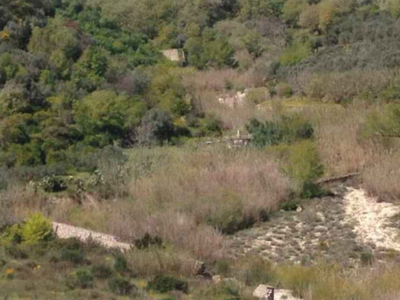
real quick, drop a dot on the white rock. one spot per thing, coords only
(261, 291)
(284, 295)
(320, 216)
(216, 279)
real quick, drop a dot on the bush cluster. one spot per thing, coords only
(287, 129)
(164, 283)
(34, 230)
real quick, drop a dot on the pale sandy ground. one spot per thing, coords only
(64, 231)
(372, 219)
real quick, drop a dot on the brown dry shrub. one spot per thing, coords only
(338, 87)
(160, 261)
(216, 80)
(22, 201)
(252, 176)
(383, 177)
(337, 140)
(188, 198)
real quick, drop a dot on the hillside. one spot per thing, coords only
(201, 138)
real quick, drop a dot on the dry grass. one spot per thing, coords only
(250, 175)
(327, 282)
(337, 139)
(150, 262)
(186, 197)
(22, 201)
(382, 179)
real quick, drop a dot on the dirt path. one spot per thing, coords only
(64, 231)
(372, 219)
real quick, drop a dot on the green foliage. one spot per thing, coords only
(101, 271)
(295, 54)
(297, 278)
(121, 286)
(367, 258)
(11, 235)
(120, 263)
(103, 116)
(81, 279)
(9, 69)
(71, 250)
(256, 270)
(164, 284)
(75, 256)
(90, 69)
(292, 10)
(156, 128)
(225, 290)
(53, 184)
(57, 41)
(205, 52)
(382, 123)
(253, 9)
(36, 229)
(229, 217)
(303, 165)
(288, 129)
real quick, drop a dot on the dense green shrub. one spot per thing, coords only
(367, 258)
(121, 286)
(382, 123)
(303, 165)
(287, 129)
(229, 216)
(11, 235)
(156, 128)
(34, 230)
(295, 54)
(256, 270)
(101, 271)
(148, 241)
(74, 256)
(164, 283)
(81, 279)
(120, 263)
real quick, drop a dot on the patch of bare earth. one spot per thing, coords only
(372, 219)
(337, 229)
